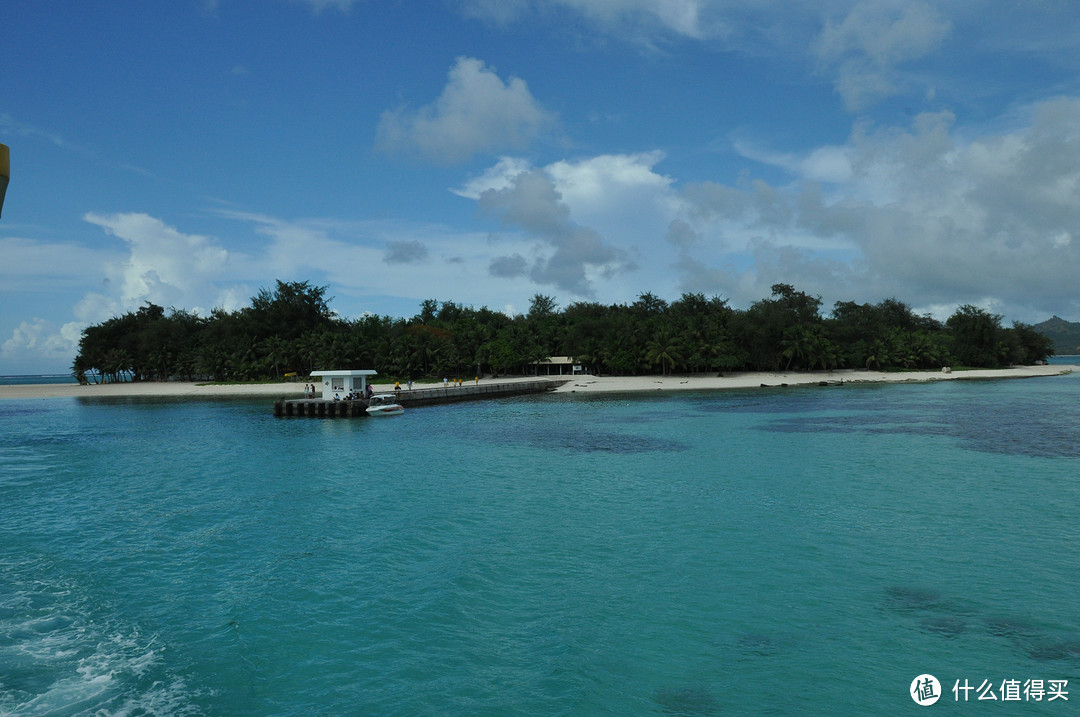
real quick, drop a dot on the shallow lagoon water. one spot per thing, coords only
(781, 551)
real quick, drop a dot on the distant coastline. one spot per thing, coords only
(576, 384)
(38, 379)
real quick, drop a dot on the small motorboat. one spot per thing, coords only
(384, 404)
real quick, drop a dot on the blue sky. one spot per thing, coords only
(192, 152)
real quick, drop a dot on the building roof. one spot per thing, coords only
(353, 372)
(557, 360)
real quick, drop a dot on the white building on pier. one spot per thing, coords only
(342, 383)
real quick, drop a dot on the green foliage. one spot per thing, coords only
(977, 337)
(291, 329)
(288, 311)
(1028, 345)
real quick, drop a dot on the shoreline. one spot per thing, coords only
(575, 384)
(778, 379)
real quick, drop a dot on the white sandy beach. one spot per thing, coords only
(598, 384)
(576, 384)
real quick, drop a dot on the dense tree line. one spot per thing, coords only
(292, 329)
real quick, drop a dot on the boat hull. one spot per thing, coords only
(386, 410)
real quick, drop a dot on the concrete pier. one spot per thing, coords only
(320, 408)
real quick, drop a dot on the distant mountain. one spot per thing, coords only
(1064, 334)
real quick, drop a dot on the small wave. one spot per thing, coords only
(59, 659)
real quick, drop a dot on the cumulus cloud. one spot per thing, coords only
(476, 113)
(39, 340)
(533, 204)
(602, 183)
(619, 196)
(868, 46)
(931, 213)
(164, 266)
(154, 263)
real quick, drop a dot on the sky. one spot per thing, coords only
(193, 152)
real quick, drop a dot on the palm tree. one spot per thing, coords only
(822, 352)
(275, 348)
(117, 364)
(795, 345)
(878, 355)
(663, 350)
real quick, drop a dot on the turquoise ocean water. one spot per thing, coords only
(758, 552)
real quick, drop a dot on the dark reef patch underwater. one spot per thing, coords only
(1030, 423)
(926, 609)
(686, 702)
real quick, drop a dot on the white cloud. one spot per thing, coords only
(164, 266)
(499, 176)
(590, 185)
(825, 164)
(929, 214)
(154, 263)
(886, 32)
(95, 307)
(38, 342)
(476, 113)
(603, 182)
(681, 17)
(873, 40)
(643, 21)
(578, 253)
(618, 196)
